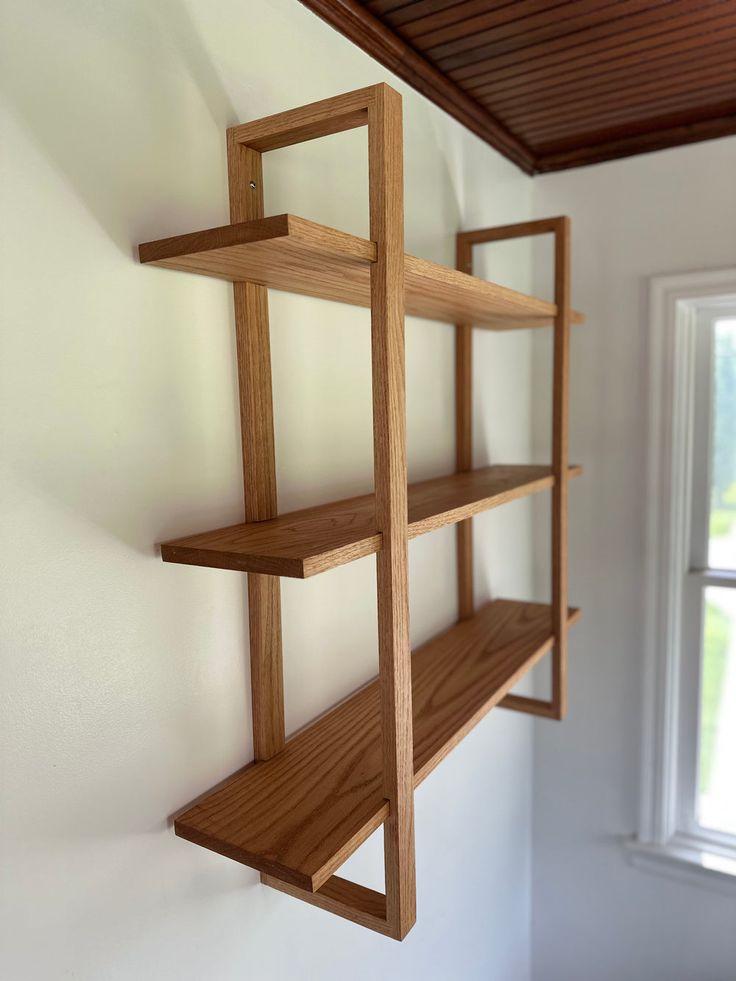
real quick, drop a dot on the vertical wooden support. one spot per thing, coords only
(464, 438)
(560, 424)
(378, 107)
(556, 707)
(245, 179)
(385, 153)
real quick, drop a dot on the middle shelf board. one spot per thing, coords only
(304, 543)
(301, 814)
(288, 253)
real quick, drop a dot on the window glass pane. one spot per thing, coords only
(722, 531)
(717, 769)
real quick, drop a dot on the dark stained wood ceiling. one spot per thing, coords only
(557, 84)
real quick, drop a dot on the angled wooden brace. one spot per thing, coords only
(379, 108)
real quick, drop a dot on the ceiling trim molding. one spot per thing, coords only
(367, 32)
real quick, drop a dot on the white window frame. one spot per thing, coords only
(669, 840)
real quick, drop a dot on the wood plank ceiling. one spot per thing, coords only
(553, 84)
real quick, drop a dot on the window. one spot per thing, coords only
(689, 773)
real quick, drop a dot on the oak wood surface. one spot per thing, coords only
(464, 438)
(304, 543)
(531, 706)
(299, 815)
(333, 115)
(354, 902)
(560, 453)
(253, 346)
(288, 253)
(386, 198)
(559, 227)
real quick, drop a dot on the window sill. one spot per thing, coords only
(685, 862)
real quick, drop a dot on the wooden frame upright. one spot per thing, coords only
(379, 108)
(556, 706)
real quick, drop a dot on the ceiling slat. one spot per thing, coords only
(416, 29)
(699, 100)
(613, 145)
(602, 72)
(573, 47)
(565, 20)
(645, 88)
(600, 55)
(506, 21)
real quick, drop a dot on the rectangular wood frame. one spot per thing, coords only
(556, 706)
(379, 108)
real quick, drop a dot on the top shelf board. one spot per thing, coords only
(298, 256)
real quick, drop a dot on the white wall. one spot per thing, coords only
(595, 916)
(124, 680)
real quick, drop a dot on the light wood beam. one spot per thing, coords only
(560, 441)
(385, 158)
(245, 181)
(464, 437)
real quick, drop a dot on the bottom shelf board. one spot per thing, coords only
(300, 815)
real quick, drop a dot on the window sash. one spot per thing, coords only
(676, 577)
(697, 578)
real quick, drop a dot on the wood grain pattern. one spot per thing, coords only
(493, 66)
(531, 706)
(298, 256)
(499, 233)
(304, 543)
(464, 438)
(354, 902)
(245, 187)
(299, 815)
(333, 115)
(386, 198)
(560, 228)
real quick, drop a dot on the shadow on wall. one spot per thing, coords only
(138, 166)
(91, 127)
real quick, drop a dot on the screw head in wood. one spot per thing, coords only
(253, 184)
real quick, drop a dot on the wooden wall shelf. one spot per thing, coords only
(305, 804)
(300, 815)
(298, 256)
(303, 543)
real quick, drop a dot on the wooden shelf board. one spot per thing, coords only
(304, 543)
(298, 816)
(288, 253)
